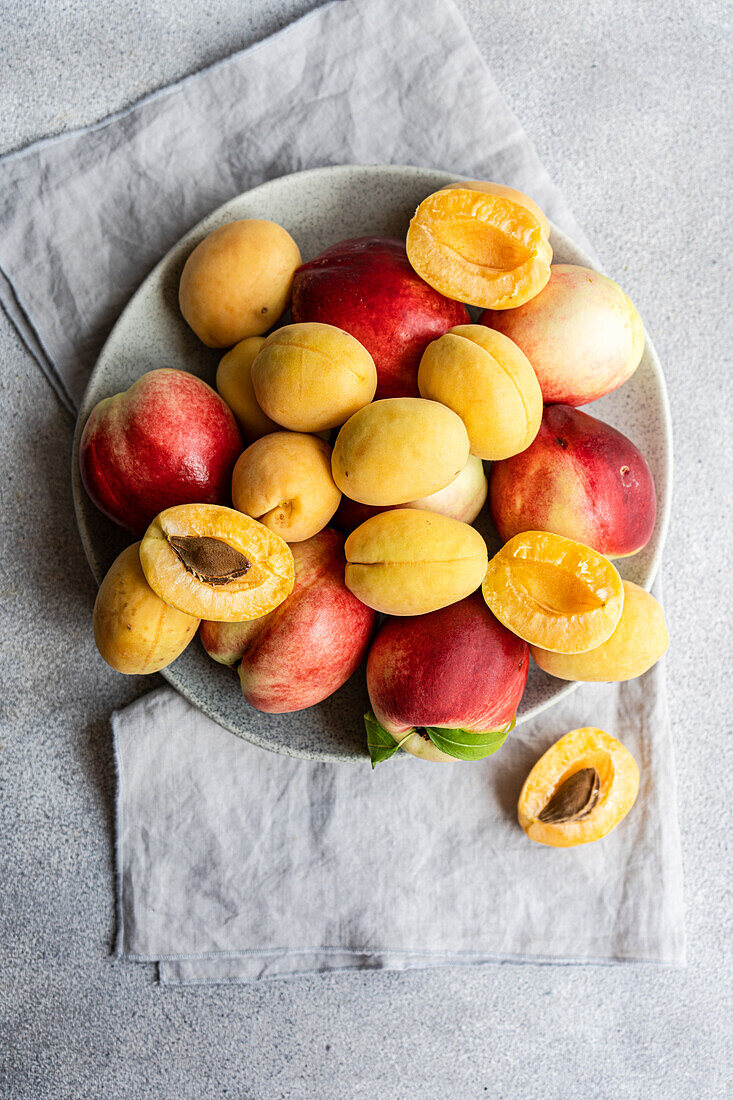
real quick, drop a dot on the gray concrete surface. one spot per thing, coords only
(627, 104)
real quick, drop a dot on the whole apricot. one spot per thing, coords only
(399, 449)
(135, 631)
(311, 377)
(579, 790)
(216, 563)
(409, 562)
(234, 383)
(555, 593)
(236, 282)
(483, 249)
(636, 644)
(489, 383)
(284, 480)
(581, 334)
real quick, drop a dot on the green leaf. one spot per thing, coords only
(381, 744)
(469, 744)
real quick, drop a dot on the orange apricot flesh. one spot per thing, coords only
(479, 248)
(501, 189)
(637, 643)
(555, 593)
(216, 563)
(579, 790)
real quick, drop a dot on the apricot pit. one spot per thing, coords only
(555, 593)
(216, 563)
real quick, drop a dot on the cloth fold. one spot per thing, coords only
(233, 863)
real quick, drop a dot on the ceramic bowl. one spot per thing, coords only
(319, 208)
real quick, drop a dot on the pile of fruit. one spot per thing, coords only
(370, 416)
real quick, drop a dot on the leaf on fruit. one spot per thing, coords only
(381, 744)
(469, 744)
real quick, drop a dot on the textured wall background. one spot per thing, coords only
(627, 104)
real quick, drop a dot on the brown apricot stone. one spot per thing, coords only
(636, 644)
(135, 631)
(483, 249)
(216, 563)
(579, 790)
(553, 592)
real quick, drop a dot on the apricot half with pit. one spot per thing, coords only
(284, 480)
(409, 562)
(555, 593)
(636, 644)
(480, 248)
(311, 377)
(579, 790)
(135, 631)
(399, 449)
(489, 383)
(216, 563)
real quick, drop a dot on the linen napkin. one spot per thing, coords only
(234, 863)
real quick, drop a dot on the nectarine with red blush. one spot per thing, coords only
(169, 439)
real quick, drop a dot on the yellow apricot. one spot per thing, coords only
(555, 593)
(311, 377)
(636, 644)
(234, 383)
(484, 377)
(482, 249)
(237, 281)
(505, 192)
(284, 480)
(579, 790)
(216, 563)
(408, 561)
(135, 631)
(399, 449)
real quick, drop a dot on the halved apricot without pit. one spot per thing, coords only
(216, 563)
(579, 790)
(553, 592)
(479, 248)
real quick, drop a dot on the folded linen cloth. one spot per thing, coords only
(234, 863)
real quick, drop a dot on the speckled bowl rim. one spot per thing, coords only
(558, 237)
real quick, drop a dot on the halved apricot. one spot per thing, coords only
(506, 192)
(216, 563)
(578, 790)
(479, 248)
(555, 593)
